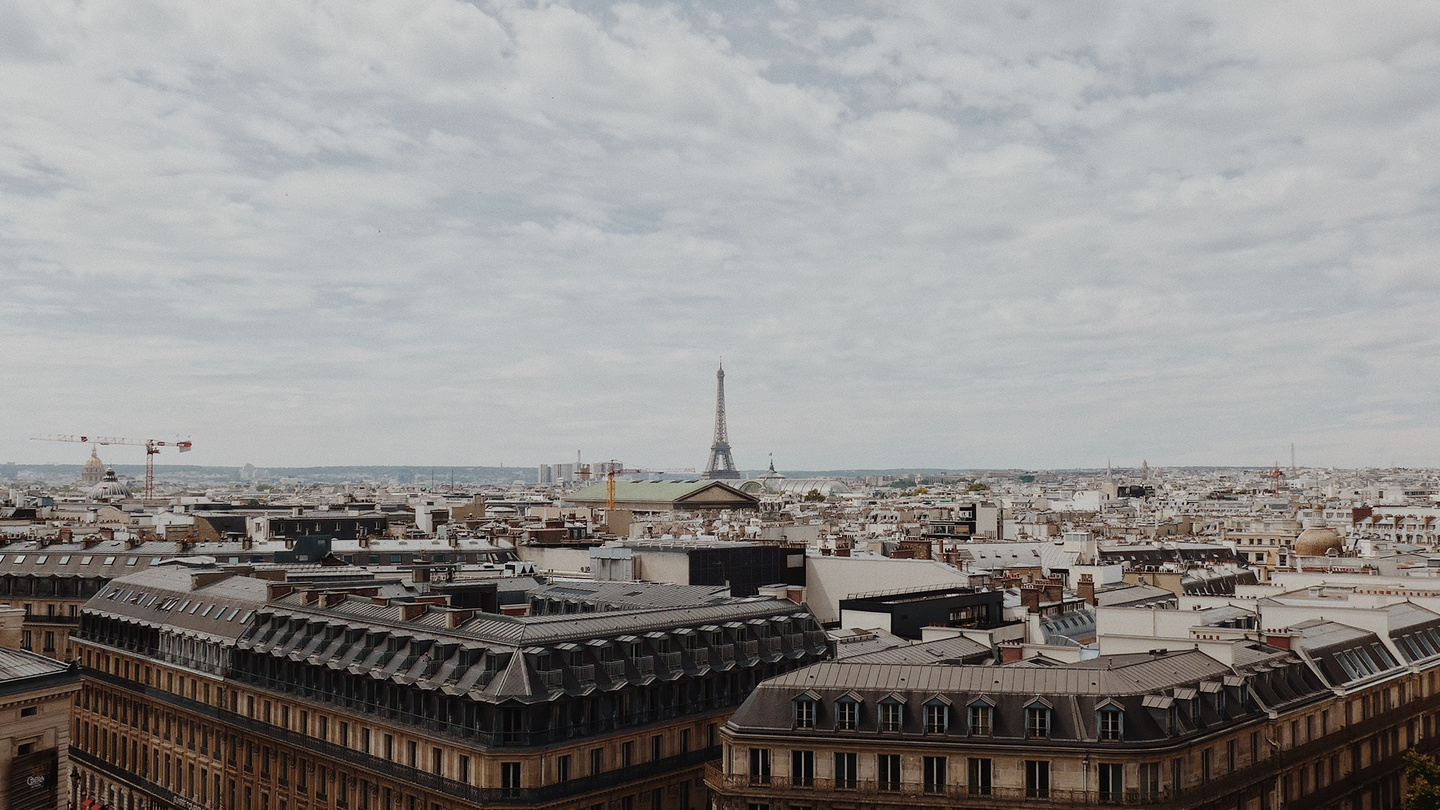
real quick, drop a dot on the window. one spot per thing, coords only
(887, 769)
(1205, 765)
(655, 747)
(510, 778)
(802, 768)
(804, 713)
(937, 717)
(597, 760)
(1112, 782)
(1230, 756)
(1037, 779)
(889, 716)
(980, 776)
(1037, 721)
(562, 768)
(980, 719)
(1149, 781)
(759, 766)
(1112, 724)
(846, 771)
(847, 715)
(934, 774)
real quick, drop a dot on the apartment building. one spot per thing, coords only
(1322, 725)
(207, 689)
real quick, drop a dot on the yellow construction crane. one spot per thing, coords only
(614, 468)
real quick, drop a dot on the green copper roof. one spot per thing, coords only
(641, 490)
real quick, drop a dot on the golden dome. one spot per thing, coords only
(1318, 541)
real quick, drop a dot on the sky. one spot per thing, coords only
(961, 235)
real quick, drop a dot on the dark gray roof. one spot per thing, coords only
(17, 664)
(1144, 673)
(946, 650)
(167, 597)
(632, 595)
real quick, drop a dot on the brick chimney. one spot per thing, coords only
(410, 611)
(1030, 598)
(455, 617)
(1086, 588)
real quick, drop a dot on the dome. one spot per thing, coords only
(109, 488)
(94, 470)
(1318, 541)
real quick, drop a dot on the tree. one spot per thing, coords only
(978, 487)
(813, 495)
(1424, 775)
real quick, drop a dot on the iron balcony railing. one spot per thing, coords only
(736, 789)
(461, 731)
(140, 783)
(424, 779)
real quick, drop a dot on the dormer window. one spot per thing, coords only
(1111, 724)
(890, 715)
(981, 719)
(847, 714)
(804, 712)
(1037, 721)
(937, 717)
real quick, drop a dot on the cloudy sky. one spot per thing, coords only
(920, 234)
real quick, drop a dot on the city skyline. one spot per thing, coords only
(926, 235)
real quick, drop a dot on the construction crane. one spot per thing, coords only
(152, 447)
(613, 468)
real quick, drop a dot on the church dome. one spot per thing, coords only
(94, 470)
(109, 488)
(1318, 541)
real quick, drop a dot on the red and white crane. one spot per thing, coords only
(152, 447)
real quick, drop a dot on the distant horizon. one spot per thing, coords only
(837, 471)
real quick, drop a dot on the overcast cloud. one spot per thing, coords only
(939, 234)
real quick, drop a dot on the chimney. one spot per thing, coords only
(1086, 589)
(203, 578)
(311, 597)
(410, 611)
(420, 575)
(332, 599)
(1030, 598)
(458, 616)
(277, 590)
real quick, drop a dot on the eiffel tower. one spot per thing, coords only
(720, 465)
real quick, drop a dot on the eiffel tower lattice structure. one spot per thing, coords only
(720, 466)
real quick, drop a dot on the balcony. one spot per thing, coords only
(725, 653)
(614, 670)
(749, 649)
(552, 678)
(644, 665)
(671, 660)
(584, 673)
(700, 657)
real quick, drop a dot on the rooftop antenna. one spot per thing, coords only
(1292, 457)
